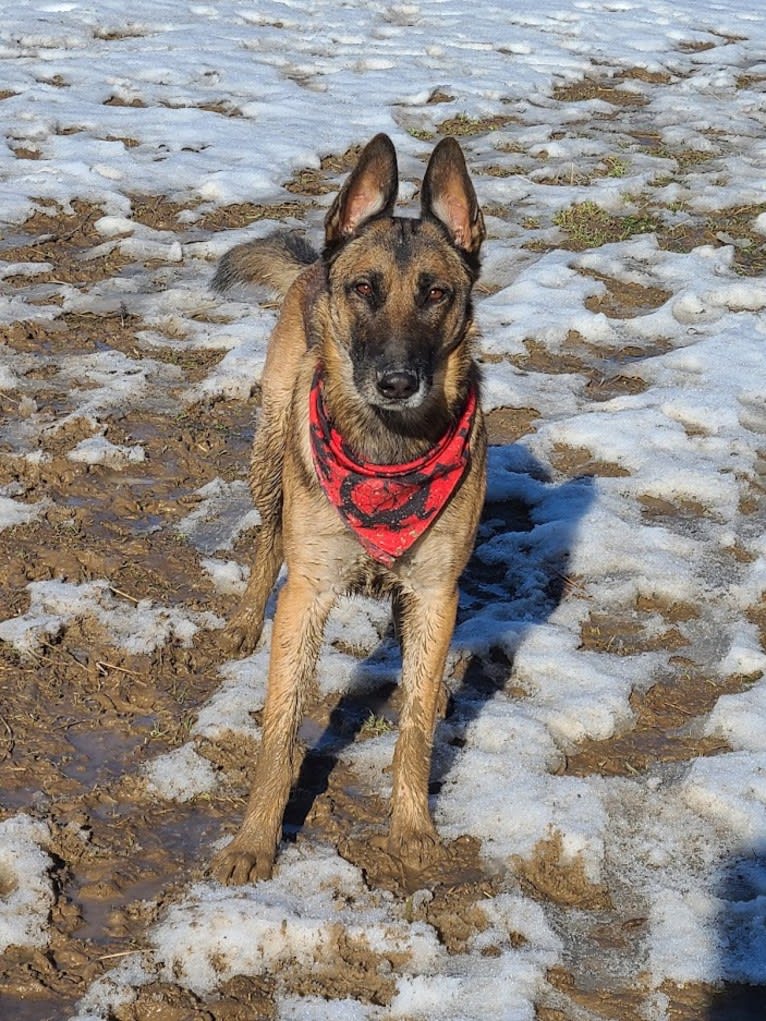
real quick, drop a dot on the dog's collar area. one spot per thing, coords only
(388, 506)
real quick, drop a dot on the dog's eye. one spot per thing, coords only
(436, 294)
(363, 288)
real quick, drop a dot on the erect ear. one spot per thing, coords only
(448, 194)
(370, 190)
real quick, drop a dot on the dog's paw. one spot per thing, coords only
(415, 849)
(234, 865)
(240, 637)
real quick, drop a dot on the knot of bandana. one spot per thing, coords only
(388, 506)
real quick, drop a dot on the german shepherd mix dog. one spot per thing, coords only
(368, 467)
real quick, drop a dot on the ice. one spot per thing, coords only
(225, 509)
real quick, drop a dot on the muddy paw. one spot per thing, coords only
(239, 638)
(416, 849)
(234, 866)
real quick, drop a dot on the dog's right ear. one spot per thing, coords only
(370, 190)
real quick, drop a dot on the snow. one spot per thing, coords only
(26, 889)
(98, 450)
(15, 512)
(298, 917)
(231, 100)
(242, 692)
(228, 576)
(138, 627)
(181, 774)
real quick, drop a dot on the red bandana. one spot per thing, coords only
(389, 506)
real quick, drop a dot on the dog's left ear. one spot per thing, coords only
(448, 194)
(370, 190)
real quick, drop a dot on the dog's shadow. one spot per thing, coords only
(740, 889)
(515, 579)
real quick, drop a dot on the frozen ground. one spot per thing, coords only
(601, 772)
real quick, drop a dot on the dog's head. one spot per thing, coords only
(400, 289)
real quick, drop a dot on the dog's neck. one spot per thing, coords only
(380, 436)
(388, 506)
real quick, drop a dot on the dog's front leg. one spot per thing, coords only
(302, 610)
(427, 620)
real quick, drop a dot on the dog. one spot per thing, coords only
(368, 466)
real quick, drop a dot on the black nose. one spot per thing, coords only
(398, 384)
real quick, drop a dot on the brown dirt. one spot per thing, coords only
(719, 228)
(625, 300)
(598, 367)
(579, 461)
(507, 425)
(80, 712)
(463, 127)
(604, 90)
(548, 874)
(663, 730)
(685, 1003)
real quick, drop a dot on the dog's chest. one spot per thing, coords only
(365, 576)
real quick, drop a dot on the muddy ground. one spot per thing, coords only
(79, 716)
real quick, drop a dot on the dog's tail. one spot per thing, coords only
(274, 261)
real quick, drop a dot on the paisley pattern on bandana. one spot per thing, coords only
(388, 506)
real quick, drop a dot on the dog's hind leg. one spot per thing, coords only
(286, 349)
(242, 632)
(427, 620)
(302, 610)
(244, 629)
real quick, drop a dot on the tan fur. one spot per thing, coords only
(322, 317)
(275, 262)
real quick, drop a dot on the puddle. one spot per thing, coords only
(14, 1008)
(104, 753)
